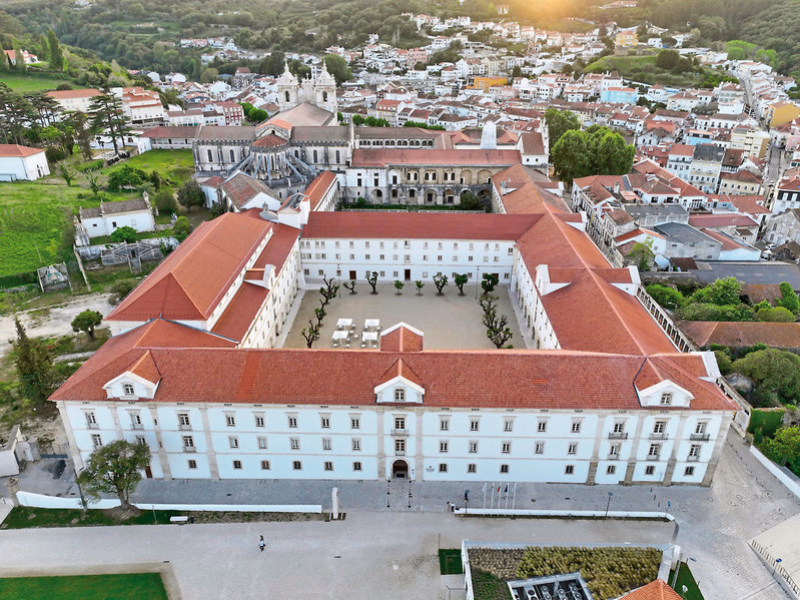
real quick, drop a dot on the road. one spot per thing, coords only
(52, 321)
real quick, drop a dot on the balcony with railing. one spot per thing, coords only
(658, 435)
(653, 457)
(700, 437)
(618, 435)
(400, 432)
(693, 458)
(189, 449)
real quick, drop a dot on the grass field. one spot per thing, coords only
(642, 69)
(685, 578)
(33, 214)
(133, 586)
(25, 84)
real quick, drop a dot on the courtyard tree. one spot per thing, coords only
(351, 287)
(489, 282)
(328, 290)
(419, 285)
(440, 281)
(497, 329)
(86, 321)
(115, 469)
(399, 285)
(34, 366)
(311, 334)
(372, 280)
(190, 194)
(126, 234)
(320, 314)
(461, 280)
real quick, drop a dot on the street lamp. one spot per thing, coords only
(610, 495)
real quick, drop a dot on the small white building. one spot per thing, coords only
(22, 162)
(110, 216)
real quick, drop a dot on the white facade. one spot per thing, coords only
(20, 166)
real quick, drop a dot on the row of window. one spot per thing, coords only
(184, 421)
(297, 465)
(395, 257)
(396, 245)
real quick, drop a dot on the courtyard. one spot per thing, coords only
(451, 321)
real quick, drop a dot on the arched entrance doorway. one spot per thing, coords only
(400, 469)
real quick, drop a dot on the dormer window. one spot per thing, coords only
(399, 395)
(666, 399)
(127, 389)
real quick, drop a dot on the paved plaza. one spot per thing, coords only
(388, 541)
(448, 322)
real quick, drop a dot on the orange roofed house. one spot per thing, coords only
(596, 393)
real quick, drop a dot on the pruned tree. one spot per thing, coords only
(329, 289)
(115, 469)
(489, 282)
(34, 365)
(311, 334)
(372, 280)
(461, 280)
(497, 329)
(351, 287)
(320, 314)
(399, 285)
(86, 321)
(419, 285)
(440, 281)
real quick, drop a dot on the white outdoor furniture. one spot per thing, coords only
(340, 335)
(372, 324)
(344, 323)
(369, 336)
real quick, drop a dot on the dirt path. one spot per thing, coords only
(53, 320)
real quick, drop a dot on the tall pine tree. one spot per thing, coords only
(107, 118)
(34, 366)
(55, 54)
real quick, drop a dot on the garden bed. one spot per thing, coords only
(608, 571)
(133, 586)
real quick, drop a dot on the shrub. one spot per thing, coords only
(695, 311)
(789, 299)
(779, 314)
(121, 289)
(666, 296)
(182, 228)
(165, 201)
(54, 154)
(722, 292)
(775, 372)
(124, 234)
(724, 361)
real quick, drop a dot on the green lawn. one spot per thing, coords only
(34, 214)
(685, 578)
(450, 561)
(24, 84)
(642, 69)
(133, 586)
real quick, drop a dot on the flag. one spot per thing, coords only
(498, 488)
(505, 491)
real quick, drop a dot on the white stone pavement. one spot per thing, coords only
(713, 525)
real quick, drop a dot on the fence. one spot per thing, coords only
(41, 501)
(49, 450)
(791, 484)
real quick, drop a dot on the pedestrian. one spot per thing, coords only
(261, 543)
(449, 508)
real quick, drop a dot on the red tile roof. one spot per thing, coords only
(401, 339)
(68, 94)
(192, 280)
(241, 312)
(317, 189)
(721, 220)
(657, 590)
(742, 335)
(17, 151)
(381, 157)
(478, 226)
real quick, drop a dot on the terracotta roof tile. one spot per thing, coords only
(657, 590)
(742, 335)
(15, 150)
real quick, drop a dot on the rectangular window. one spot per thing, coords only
(474, 425)
(539, 448)
(655, 450)
(569, 469)
(542, 426)
(619, 427)
(444, 424)
(357, 466)
(614, 451)
(694, 451)
(297, 465)
(233, 441)
(262, 443)
(237, 464)
(649, 470)
(506, 447)
(292, 422)
(295, 443)
(192, 464)
(666, 399)
(127, 389)
(325, 422)
(611, 469)
(259, 421)
(400, 423)
(504, 469)
(328, 465)
(399, 446)
(659, 427)
(442, 446)
(688, 471)
(188, 442)
(183, 421)
(97, 441)
(472, 468)
(572, 449)
(356, 445)
(508, 425)
(91, 420)
(576, 427)
(473, 447)
(701, 427)
(265, 465)
(399, 395)
(230, 420)
(355, 423)
(326, 443)
(442, 467)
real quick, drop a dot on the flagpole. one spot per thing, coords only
(514, 502)
(506, 493)
(484, 494)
